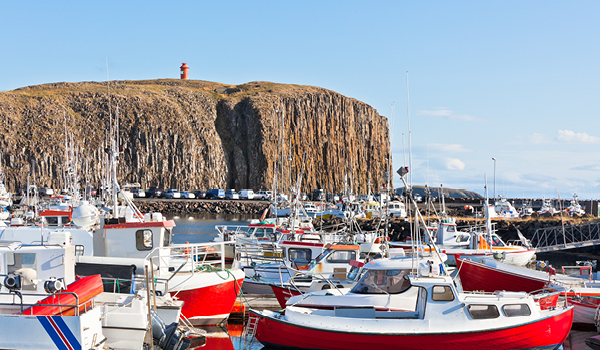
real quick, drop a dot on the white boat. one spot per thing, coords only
(547, 207)
(503, 209)
(575, 208)
(392, 309)
(472, 243)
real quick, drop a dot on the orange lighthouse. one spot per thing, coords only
(184, 71)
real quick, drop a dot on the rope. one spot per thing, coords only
(209, 268)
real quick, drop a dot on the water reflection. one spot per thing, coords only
(576, 339)
(227, 337)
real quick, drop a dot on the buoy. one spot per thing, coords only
(187, 250)
(238, 307)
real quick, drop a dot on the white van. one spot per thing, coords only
(246, 194)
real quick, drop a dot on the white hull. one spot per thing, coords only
(584, 314)
(51, 332)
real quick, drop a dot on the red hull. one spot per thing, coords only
(548, 333)
(476, 276)
(283, 294)
(209, 305)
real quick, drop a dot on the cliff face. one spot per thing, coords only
(194, 134)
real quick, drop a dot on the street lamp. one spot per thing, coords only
(494, 159)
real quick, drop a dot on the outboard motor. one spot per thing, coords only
(168, 337)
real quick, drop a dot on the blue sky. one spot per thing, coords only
(513, 80)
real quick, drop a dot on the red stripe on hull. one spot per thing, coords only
(544, 334)
(475, 276)
(208, 303)
(283, 294)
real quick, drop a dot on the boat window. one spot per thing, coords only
(250, 231)
(167, 238)
(382, 282)
(442, 293)
(451, 229)
(299, 256)
(483, 311)
(51, 220)
(463, 238)
(79, 249)
(143, 239)
(513, 310)
(341, 256)
(259, 233)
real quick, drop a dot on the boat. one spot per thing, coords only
(300, 262)
(392, 309)
(472, 243)
(345, 281)
(575, 208)
(491, 275)
(547, 208)
(503, 209)
(592, 342)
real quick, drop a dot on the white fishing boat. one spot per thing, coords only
(547, 208)
(503, 209)
(392, 309)
(575, 208)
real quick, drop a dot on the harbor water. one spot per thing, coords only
(201, 228)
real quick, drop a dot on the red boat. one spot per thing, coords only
(275, 332)
(391, 309)
(476, 276)
(283, 294)
(491, 275)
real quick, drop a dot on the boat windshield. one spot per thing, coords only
(383, 282)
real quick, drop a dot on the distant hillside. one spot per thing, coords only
(448, 192)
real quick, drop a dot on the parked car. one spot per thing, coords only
(231, 194)
(46, 191)
(200, 194)
(217, 193)
(263, 195)
(246, 194)
(153, 192)
(187, 195)
(171, 193)
(138, 193)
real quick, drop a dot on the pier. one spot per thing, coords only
(566, 237)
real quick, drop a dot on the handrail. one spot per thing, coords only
(76, 306)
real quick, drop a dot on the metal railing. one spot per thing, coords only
(566, 237)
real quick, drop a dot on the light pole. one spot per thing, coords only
(494, 159)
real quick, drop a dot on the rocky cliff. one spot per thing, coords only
(194, 134)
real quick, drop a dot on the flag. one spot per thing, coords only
(524, 240)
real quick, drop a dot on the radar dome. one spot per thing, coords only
(85, 215)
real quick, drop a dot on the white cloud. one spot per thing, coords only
(537, 139)
(441, 112)
(573, 137)
(454, 164)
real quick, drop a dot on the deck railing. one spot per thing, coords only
(566, 237)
